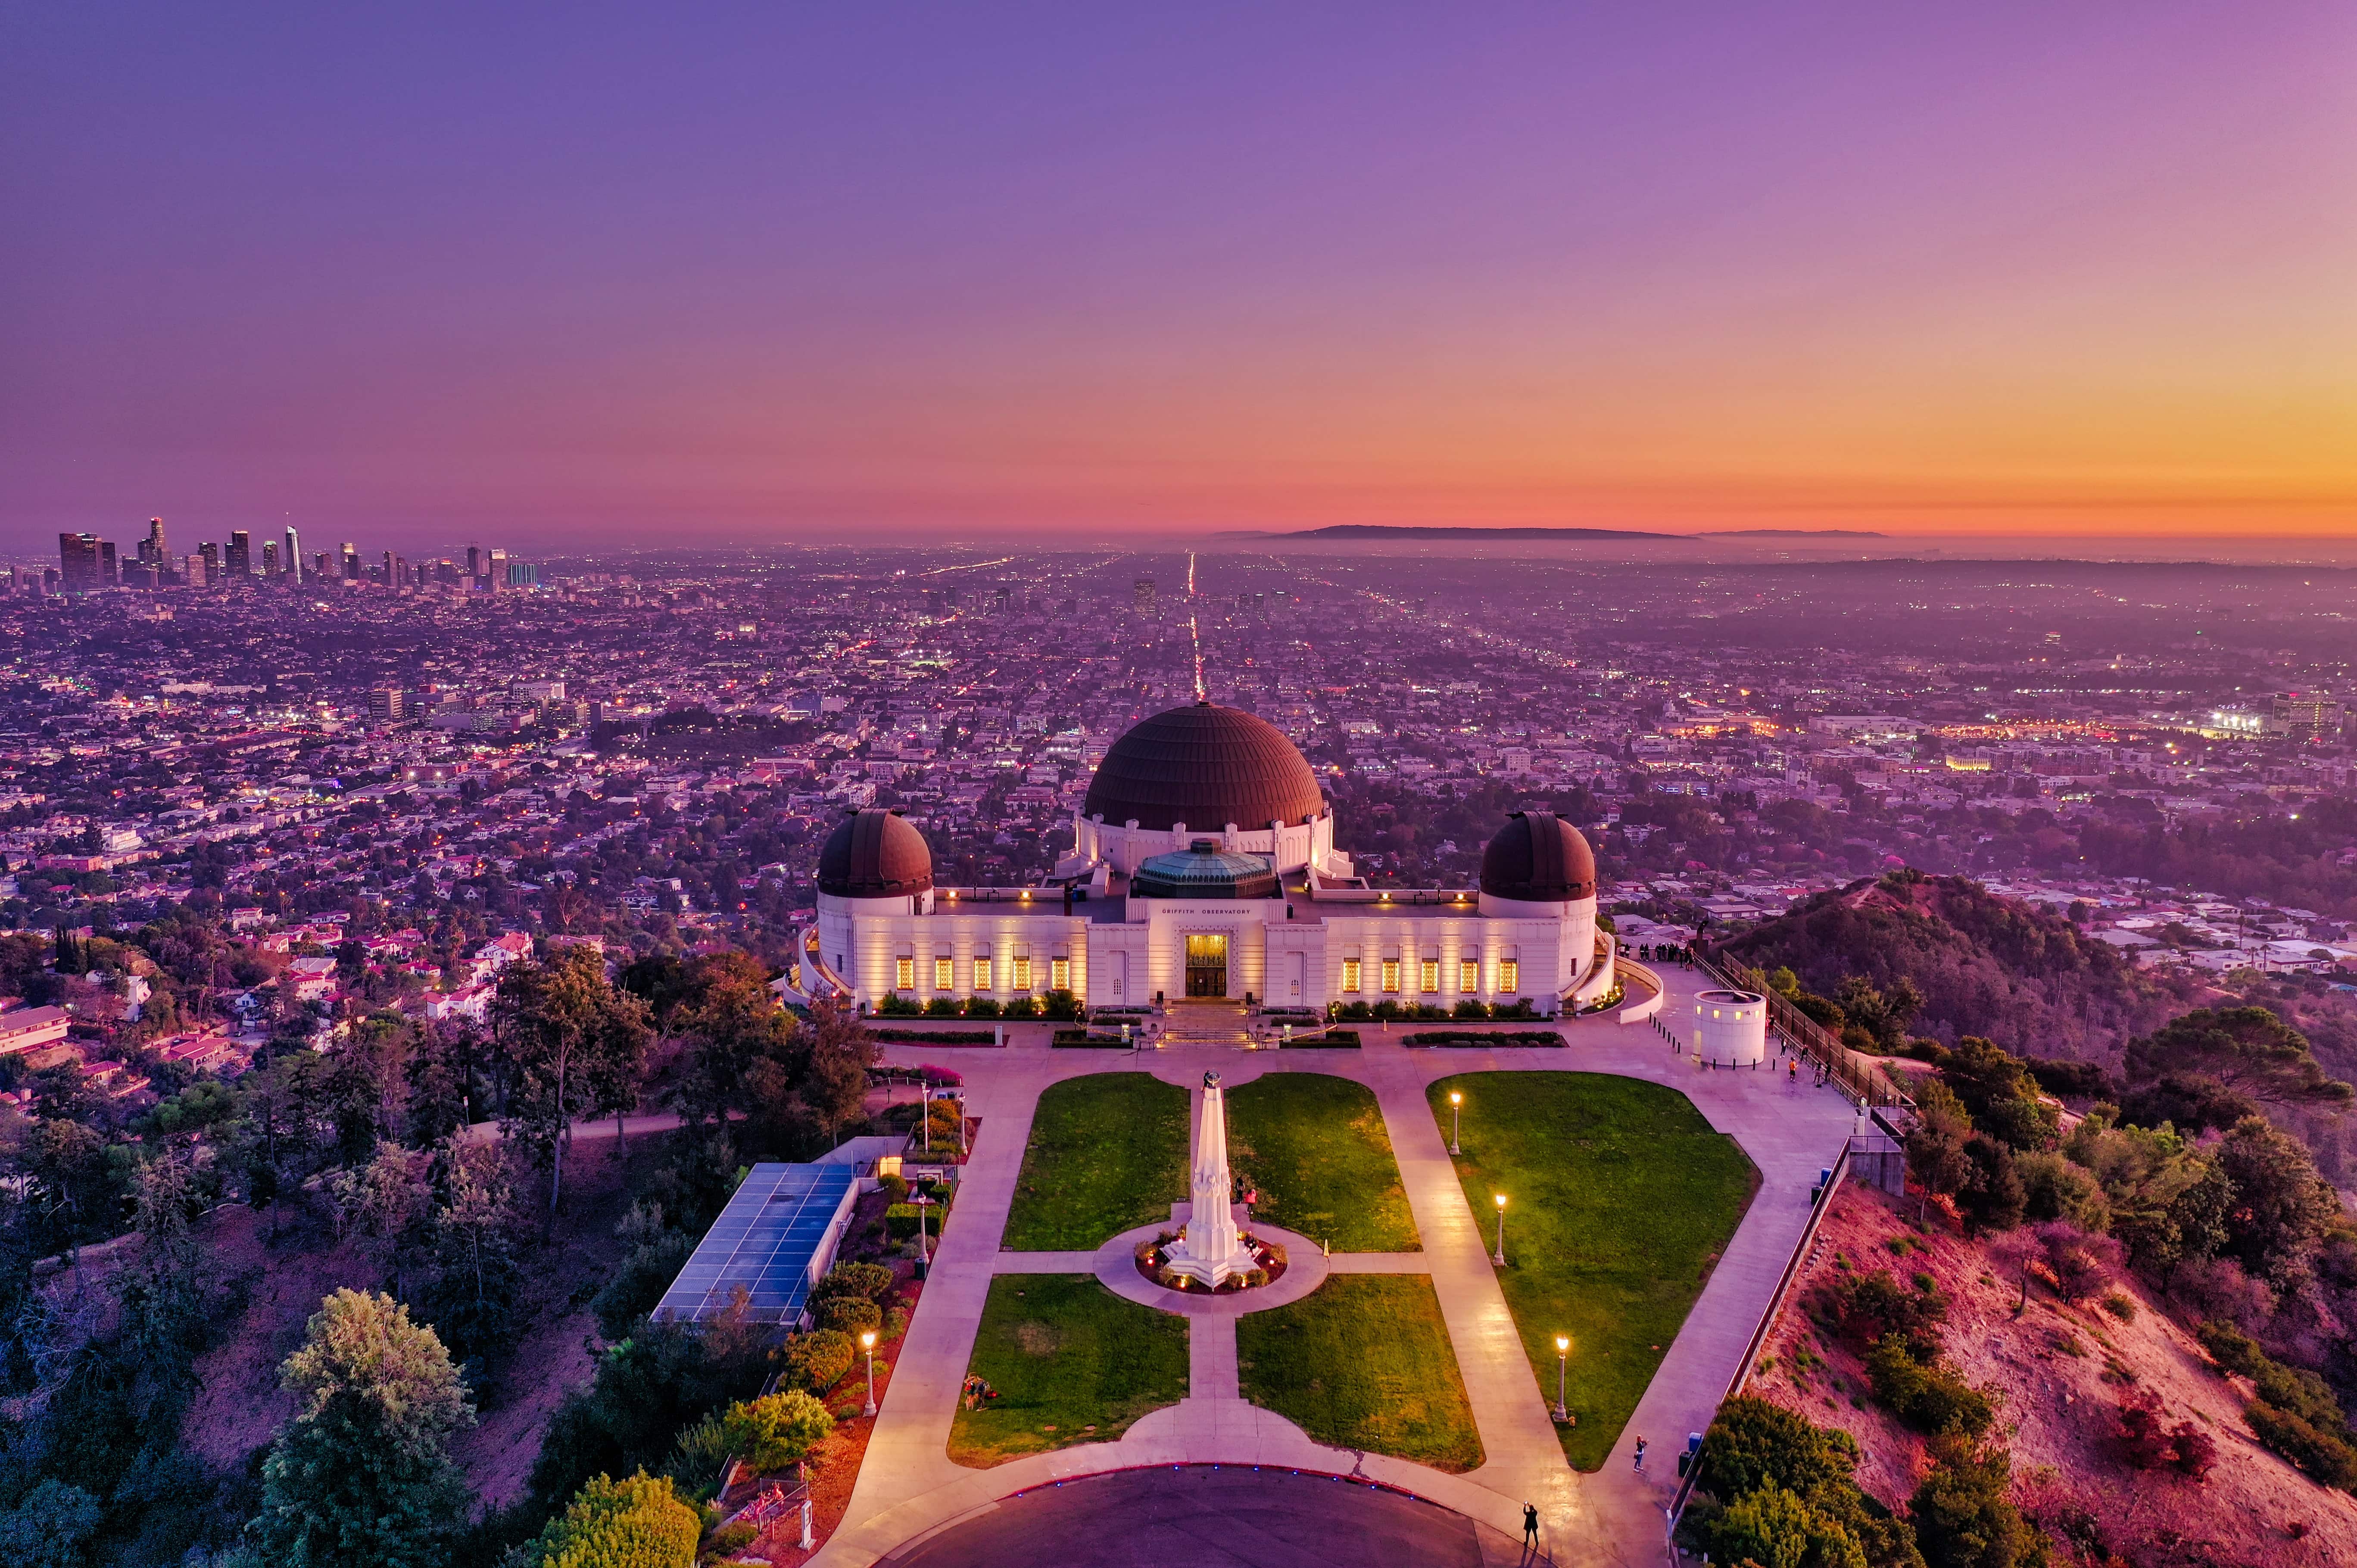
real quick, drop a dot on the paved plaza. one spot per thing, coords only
(909, 1487)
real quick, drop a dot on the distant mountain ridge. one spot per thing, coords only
(2025, 978)
(1452, 530)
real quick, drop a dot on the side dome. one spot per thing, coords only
(875, 854)
(1538, 858)
(1205, 766)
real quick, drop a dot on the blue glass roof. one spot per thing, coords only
(765, 1241)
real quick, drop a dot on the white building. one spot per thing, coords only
(1204, 867)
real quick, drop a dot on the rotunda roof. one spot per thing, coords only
(1204, 870)
(1205, 766)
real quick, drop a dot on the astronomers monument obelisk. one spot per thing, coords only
(1210, 1249)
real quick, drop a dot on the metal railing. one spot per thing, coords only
(1751, 1349)
(1860, 1077)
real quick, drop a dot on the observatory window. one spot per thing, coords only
(982, 974)
(1430, 979)
(1022, 974)
(943, 978)
(1350, 974)
(1390, 976)
(1509, 974)
(1060, 975)
(904, 974)
(1468, 975)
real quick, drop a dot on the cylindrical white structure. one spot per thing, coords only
(1731, 1027)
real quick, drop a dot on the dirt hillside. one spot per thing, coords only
(2060, 1371)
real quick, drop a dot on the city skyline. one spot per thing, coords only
(2015, 275)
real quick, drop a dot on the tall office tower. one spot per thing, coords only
(323, 567)
(293, 556)
(385, 706)
(239, 562)
(523, 575)
(193, 571)
(389, 580)
(156, 550)
(78, 568)
(1141, 594)
(210, 555)
(108, 575)
(352, 562)
(495, 569)
(400, 573)
(269, 559)
(475, 563)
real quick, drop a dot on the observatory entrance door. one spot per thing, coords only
(1207, 966)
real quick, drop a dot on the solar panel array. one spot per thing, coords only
(764, 1240)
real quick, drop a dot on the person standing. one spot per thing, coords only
(1530, 1527)
(1641, 1456)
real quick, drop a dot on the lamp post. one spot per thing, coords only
(1455, 1104)
(923, 1263)
(867, 1343)
(1500, 1258)
(1561, 1369)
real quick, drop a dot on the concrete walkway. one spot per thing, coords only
(908, 1486)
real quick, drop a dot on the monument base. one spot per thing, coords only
(1209, 1271)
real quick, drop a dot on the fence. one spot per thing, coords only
(1751, 1350)
(1859, 1076)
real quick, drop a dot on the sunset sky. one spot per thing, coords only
(577, 275)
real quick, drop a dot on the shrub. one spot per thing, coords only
(900, 1221)
(851, 1314)
(696, 1459)
(1469, 1008)
(2324, 1454)
(895, 1188)
(2144, 1442)
(2195, 1451)
(816, 1361)
(1776, 1526)
(1927, 1395)
(982, 1007)
(2120, 1304)
(1865, 1308)
(2230, 1348)
(772, 1431)
(1963, 1515)
(637, 1523)
(871, 1282)
(1021, 1007)
(895, 1006)
(731, 1538)
(1753, 1443)
(942, 1007)
(639, 1283)
(1059, 1004)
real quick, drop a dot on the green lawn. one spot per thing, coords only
(1064, 1354)
(1315, 1147)
(1619, 1200)
(1363, 1362)
(1107, 1152)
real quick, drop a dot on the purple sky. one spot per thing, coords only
(415, 275)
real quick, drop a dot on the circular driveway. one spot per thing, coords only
(1207, 1517)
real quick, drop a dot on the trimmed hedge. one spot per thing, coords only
(851, 1315)
(1083, 1039)
(1485, 1037)
(1333, 1039)
(816, 1361)
(900, 1220)
(934, 1037)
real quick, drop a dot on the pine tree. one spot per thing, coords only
(361, 1474)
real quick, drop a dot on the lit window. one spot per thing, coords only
(905, 974)
(1510, 975)
(1060, 975)
(1350, 974)
(982, 974)
(1022, 974)
(943, 979)
(1390, 976)
(1468, 975)
(1431, 978)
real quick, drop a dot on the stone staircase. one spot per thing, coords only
(1206, 1024)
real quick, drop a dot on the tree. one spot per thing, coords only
(382, 1202)
(50, 1527)
(2248, 1049)
(556, 1021)
(1998, 1088)
(361, 1474)
(472, 1300)
(1935, 1144)
(2280, 1205)
(1992, 1197)
(1777, 1528)
(1963, 1515)
(2192, 1102)
(637, 1523)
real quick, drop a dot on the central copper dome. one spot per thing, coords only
(1205, 766)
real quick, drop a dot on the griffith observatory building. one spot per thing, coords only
(1203, 867)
